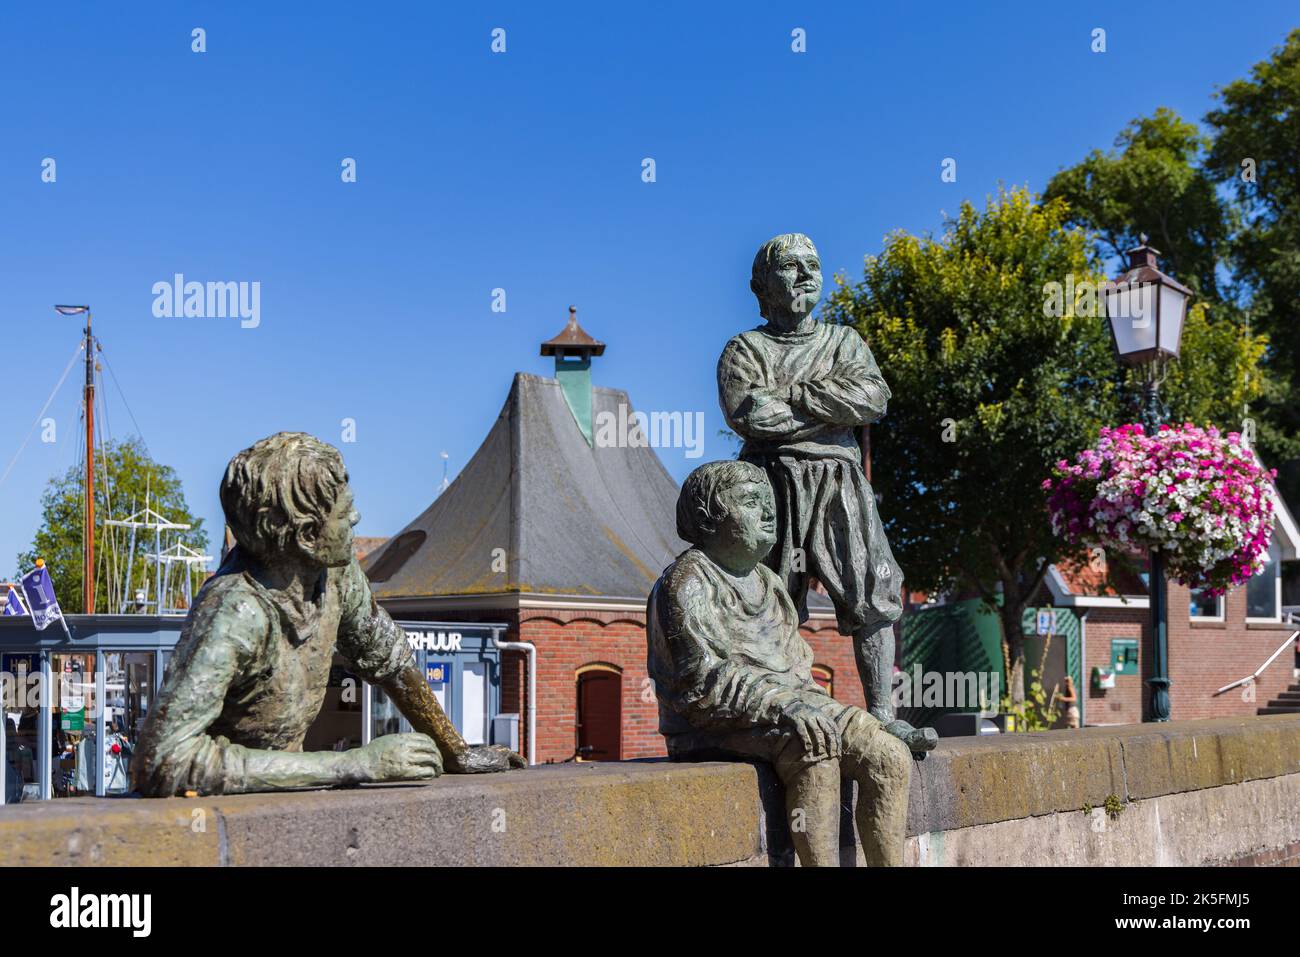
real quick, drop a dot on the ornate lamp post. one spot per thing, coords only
(1145, 309)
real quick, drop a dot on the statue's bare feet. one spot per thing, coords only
(919, 740)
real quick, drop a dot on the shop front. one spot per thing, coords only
(78, 738)
(74, 708)
(462, 664)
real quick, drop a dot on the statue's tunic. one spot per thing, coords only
(250, 674)
(728, 668)
(795, 398)
(719, 660)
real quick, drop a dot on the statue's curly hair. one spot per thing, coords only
(699, 506)
(275, 486)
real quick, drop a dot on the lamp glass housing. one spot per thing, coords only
(1145, 310)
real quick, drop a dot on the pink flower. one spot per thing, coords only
(1102, 493)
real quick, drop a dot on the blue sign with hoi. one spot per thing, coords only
(437, 673)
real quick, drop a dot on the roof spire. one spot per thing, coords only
(573, 350)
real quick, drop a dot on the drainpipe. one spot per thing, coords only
(1085, 678)
(531, 649)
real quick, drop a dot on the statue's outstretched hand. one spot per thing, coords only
(398, 757)
(483, 759)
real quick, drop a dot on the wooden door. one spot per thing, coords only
(600, 715)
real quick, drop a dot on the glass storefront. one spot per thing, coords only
(128, 691)
(104, 681)
(21, 716)
(73, 709)
(462, 666)
(74, 724)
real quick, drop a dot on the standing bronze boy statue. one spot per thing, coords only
(795, 390)
(250, 672)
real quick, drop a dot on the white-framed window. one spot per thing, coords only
(1264, 591)
(1203, 607)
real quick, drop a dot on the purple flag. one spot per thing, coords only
(13, 603)
(39, 591)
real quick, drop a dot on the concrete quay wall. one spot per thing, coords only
(1213, 791)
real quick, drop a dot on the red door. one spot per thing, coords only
(600, 715)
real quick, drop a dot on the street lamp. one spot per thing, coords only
(1146, 309)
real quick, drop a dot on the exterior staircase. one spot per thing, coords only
(1288, 702)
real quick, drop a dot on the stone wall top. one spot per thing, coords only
(969, 781)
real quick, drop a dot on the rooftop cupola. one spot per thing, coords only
(573, 350)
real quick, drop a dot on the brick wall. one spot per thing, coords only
(834, 651)
(567, 640)
(1203, 656)
(1124, 703)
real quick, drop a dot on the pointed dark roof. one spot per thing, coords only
(562, 517)
(573, 339)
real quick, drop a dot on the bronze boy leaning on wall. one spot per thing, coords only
(250, 672)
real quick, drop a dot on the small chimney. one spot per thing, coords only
(573, 350)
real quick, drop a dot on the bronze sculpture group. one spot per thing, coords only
(731, 671)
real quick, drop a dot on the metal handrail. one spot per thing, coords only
(1258, 671)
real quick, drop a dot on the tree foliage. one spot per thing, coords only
(1153, 185)
(1256, 153)
(988, 393)
(125, 473)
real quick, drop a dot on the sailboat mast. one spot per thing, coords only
(88, 534)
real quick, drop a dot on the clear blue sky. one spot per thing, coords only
(519, 170)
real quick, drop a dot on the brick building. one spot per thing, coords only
(559, 534)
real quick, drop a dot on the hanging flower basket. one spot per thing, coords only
(1199, 496)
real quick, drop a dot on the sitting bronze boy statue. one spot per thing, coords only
(251, 669)
(734, 676)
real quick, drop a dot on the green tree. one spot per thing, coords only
(988, 392)
(1256, 152)
(1153, 185)
(125, 473)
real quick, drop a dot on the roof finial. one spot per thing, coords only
(573, 341)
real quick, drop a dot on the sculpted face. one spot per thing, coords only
(748, 531)
(329, 542)
(793, 285)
